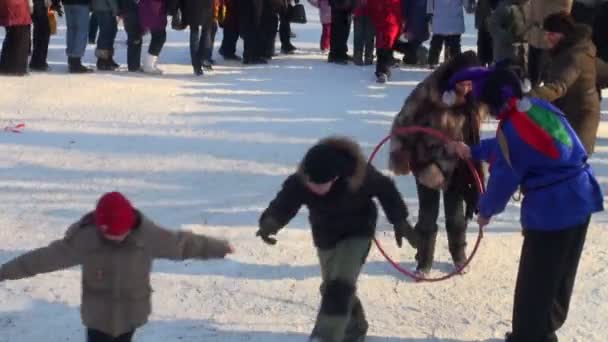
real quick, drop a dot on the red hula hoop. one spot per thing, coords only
(479, 184)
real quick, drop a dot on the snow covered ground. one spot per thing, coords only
(208, 154)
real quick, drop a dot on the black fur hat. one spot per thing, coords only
(324, 162)
(559, 22)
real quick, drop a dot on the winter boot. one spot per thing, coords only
(198, 70)
(75, 66)
(358, 58)
(425, 253)
(288, 50)
(457, 244)
(357, 326)
(381, 77)
(150, 65)
(104, 60)
(207, 65)
(134, 56)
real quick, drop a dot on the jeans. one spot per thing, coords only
(93, 27)
(452, 47)
(108, 27)
(77, 22)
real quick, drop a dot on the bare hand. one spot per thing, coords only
(229, 249)
(460, 149)
(483, 221)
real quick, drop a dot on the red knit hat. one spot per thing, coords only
(114, 214)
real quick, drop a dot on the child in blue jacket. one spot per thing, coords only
(537, 150)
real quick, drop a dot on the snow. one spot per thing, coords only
(208, 154)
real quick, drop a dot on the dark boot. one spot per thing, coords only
(134, 56)
(75, 66)
(457, 244)
(358, 58)
(358, 325)
(426, 252)
(104, 60)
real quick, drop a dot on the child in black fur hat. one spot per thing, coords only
(338, 186)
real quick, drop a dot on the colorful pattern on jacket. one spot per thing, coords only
(536, 149)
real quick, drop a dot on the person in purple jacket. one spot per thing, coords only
(536, 150)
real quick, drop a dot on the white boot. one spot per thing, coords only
(150, 65)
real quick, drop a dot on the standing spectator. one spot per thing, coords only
(539, 10)
(198, 15)
(325, 19)
(447, 27)
(508, 25)
(141, 16)
(386, 16)
(105, 13)
(16, 19)
(484, 38)
(570, 76)
(42, 33)
(341, 11)
(230, 26)
(416, 29)
(77, 22)
(364, 36)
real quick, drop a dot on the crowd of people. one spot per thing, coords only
(507, 29)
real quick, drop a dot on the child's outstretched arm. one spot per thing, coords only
(58, 255)
(182, 245)
(394, 207)
(282, 209)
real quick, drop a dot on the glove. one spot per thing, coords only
(268, 228)
(56, 7)
(405, 230)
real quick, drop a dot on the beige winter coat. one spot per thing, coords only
(115, 276)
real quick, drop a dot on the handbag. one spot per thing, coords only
(177, 21)
(52, 22)
(297, 14)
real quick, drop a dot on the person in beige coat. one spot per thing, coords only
(539, 11)
(116, 245)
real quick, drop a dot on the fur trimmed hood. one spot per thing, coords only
(356, 172)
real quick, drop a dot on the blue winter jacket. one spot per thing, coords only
(557, 183)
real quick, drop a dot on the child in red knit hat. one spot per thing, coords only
(116, 245)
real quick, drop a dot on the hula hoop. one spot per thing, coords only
(478, 184)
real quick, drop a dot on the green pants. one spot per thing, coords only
(341, 317)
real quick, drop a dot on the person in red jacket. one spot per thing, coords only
(16, 19)
(387, 19)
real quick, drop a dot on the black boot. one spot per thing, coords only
(457, 244)
(104, 60)
(75, 66)
(134, 57)
(426, 252)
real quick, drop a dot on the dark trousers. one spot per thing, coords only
(547, 272)
(452, 47)
(200, 44)
(455, 223)
(15, 50)
(229, 40)
(536, 61)
(98, 336)
(93, 27)
(284, 30)
(42, 36)
(250, 25)
(269, 32)
(364, 36)
(340, 30)
(134, 39)
(108, 28)
(484, 47)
